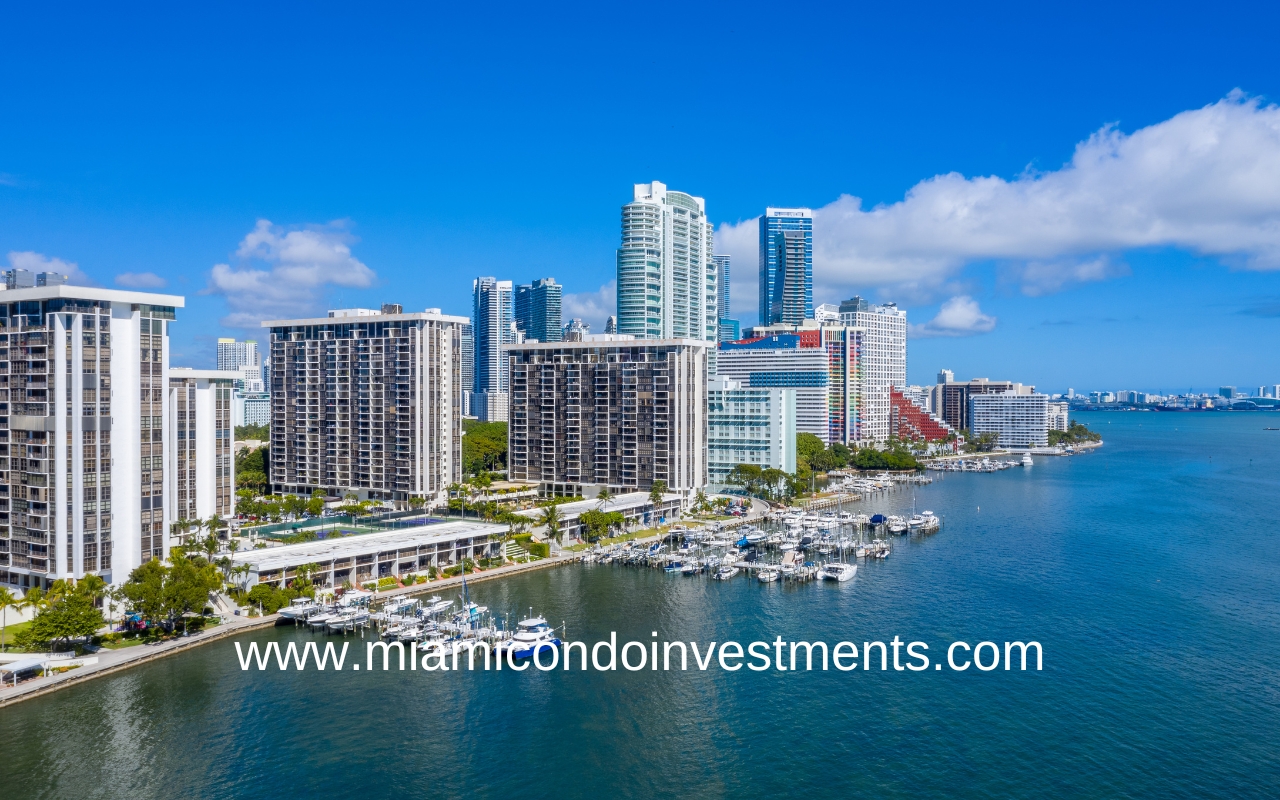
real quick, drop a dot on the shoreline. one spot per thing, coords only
(111, 662)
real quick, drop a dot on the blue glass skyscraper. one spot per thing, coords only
(786, 266)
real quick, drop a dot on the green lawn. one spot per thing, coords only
(11, 631)
(625, 537)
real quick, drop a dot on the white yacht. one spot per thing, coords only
(837, 571)
(1026, 460)
(915, 522)
(299, 609)
(725, 573)
(861, 520)
(897, 524)
(767, 575)
(532, 636)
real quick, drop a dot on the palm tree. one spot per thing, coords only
(551, 518)
(233, 545)
(7, 601)
(700, 501)
(603, 498)
(656, 492)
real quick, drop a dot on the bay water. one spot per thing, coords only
(1148, 570)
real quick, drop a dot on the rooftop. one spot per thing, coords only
(291, 555)
(93, 293)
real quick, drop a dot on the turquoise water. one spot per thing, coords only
(1149, 571)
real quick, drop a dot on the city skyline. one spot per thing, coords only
(163, 192)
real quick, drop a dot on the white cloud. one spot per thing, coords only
(741, 242)
(959, 316)
(38, 262)
(141, 280)
(591, 307)
(284, 273)
(1206, 180)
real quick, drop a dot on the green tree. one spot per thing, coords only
(7, 601)
(257, 433)
(68, 613)
(747, 476)
(656, 491)
(417, 502)
(597, 523)
(484, 446)
(808, 446)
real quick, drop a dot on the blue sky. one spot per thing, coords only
(396, 154)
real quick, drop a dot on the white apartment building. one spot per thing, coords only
(251, 409)
(1059, 416)
(667, 275)
(747, 425)
(609, 411)
(820, 362)
(244, 359)
(200, 464)
(83, 382)
(920, 395)
(883, 359)
(367, 401)
(1019, 420)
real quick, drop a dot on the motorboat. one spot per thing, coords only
(299, 609)
(725, 573)
(322, 617)
(691, 568)
(878, 519)
(436, 606)
(673, 566)
(929, 522)
(897, 524)
(1026, 460)
(767, 575)
(915, 522)
(838, 571)
(532, 636)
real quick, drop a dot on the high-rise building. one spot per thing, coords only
(827, 312)
(575, 330)
(492, 326)
(369, 402)
(537, 310)
(910, 421)
(820, 362)
(468, 350)
(244, 359)
(722, 277)
(667, 277)
(86, 426)
(251, 408)
(1018, 420)
(1059, 416)
(749, 425)
(611, 324)
(235, 355)
(786, 266)
(883, 358)
(727, 328)
(611, 412)
(952, 399)
(1228, 392)
(200, 464)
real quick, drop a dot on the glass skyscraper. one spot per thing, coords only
(667, 279)
(491, 327)
(538, 310)
(786, 266)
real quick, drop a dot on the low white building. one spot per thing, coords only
(635, 507)
(749, 425)
(360, 558)
(1019, 420)
(200, 454)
